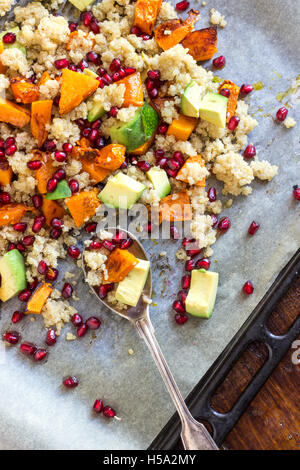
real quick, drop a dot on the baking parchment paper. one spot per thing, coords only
(260, 43)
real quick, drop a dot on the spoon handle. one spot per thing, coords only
(194, 435)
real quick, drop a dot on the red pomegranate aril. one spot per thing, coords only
(11, 337)
(181, 319)
(250, 151)
(109, 412)
(76, 320)
(5, 197)
(11, 246)
(96, 124)
(93, 323)
(34, 164)
(52, 274)
(219, 62)
(74, 252)
(296, 193)
(174, 232)
(159, 153)
(87, 17)
(115, 65)
(282, 113)
(119, 237)
(153, 93)
(37, 226)
(143, 165)
(135, 30)
(49, 146)
(56, 100)
(90, 227)
(71, 381)
(107, 78)
(173, 164)
(61, 64)
(154, 74)
(9, 38)
(37, 201)
(40, 354)
(172, 173)
(94, 27)
(42, 267)
(109, 245)
(74, 186)
(100, 143)
(162, 128)
(212, 194)
(98, 406)
(186, 281)
(86, 132)
(188, 243)
(149, 84)
(104, 289)
(28, 349)
(101, 71)
(17, 316)
(248, 288)
(52, 185)
(254, 226)
(2, 144)
(67, 147)
(51, 337)
(224, 224)
(126, 244)
(94, 134)
(146, 37)
(60, 156)
(182, 295)
(178, 306)
(21, 247)
(246, 89)
(233, 123)
(95, 245)
(182, 6)
(20, 226)
(82, 330)
(203, 263)
(60, 174)
(115, 76)
(225, 92)
(9, 142)
(24, 295)
(73, 26)
(162, 162)
(32, 286)
(11, 150)
(2, 155)
(67, 290)
(189, 265)
(73, 68)
(102, 82)
(214, 219)
(93, 57)
(178, 157)
(193, 252)
(129, 70)
(113, 111)
(122, 72)
(28, 240)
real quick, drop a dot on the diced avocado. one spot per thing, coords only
(160, 181)
(131, 288)
(13, 274)
(213, 108)
(191, 99)
(136, 132)
(201, 297)
(16, 43)
(62, 191)
(96, 112)
(81, 4)
(121, 192)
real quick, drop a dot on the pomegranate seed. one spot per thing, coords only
(162, 162)
(224, 224)
(74, 185)
(17, 316)
(100, 143)
(42, 267)
(119, 237)
(11, 150)
(93, 323)
(174, 232)
(219, 62)
(40, 355)
(2, 144)
(28, 349)
(113, 111)
(9, 142)
(154, 74)
(52, 274)
(61, 64)
(233, 123)
(280, 115)
(178, 157)
(74, 252)
(94, 134)
(250, 151)
(296, 193)
(188, 243)
(86, 132)
(60, 156)
(56, 222)
(71, 381)
(90, 227)
(172, 173)
(203, 263)
(28, 240)
(102, 82)
(122, 72)
(83, 64)
(34, 164)
(129, 70)
(55, 233)
(182, 296)
(153, 93)
(107, 78)
(73, 26)
(51, 337)
(143, 166)
(5, 197)
(109, 412)
(104, 289)
(173, 164)
(225, 92)
(52, 185)
(60, 174)
(212, 194)
(189, 265)
(95, 245)
(11, 246)
(67, 290)
(94, 27)
(248, 288)
(93, 57)
(82, 330)
(254, 226)
(87, 17)
(37, 226)
(76, 320)
(33, 284)
(109, 245)
(2, 155)
(49, 146)
(24, 295)
(178, 306)
(182, 6)
(21, 247)
(20, 226)
(136, 30)
(181, 319)
(98, 406)
(186, 281)
(115, 65)
(162, 128)
(9, 38)
(194, 252)
(101, 71)
(37, 201)
(146, 37)
(126, 244)
(73, 68)
(11, 337)
(67, 147)
(96, 124)
(150, 84)
(246, 89)
(159, 153)
(56, 100)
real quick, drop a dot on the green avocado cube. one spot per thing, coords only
(213, 108)
(191, 99)
(62, 191)
(131, 288)
(160, 181)
(201, 297)
(121, 191)
(13, 274)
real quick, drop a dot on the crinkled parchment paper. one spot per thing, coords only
(261, 45)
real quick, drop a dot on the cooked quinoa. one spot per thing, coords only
(47, 38)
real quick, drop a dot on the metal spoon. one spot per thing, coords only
(194, 435)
